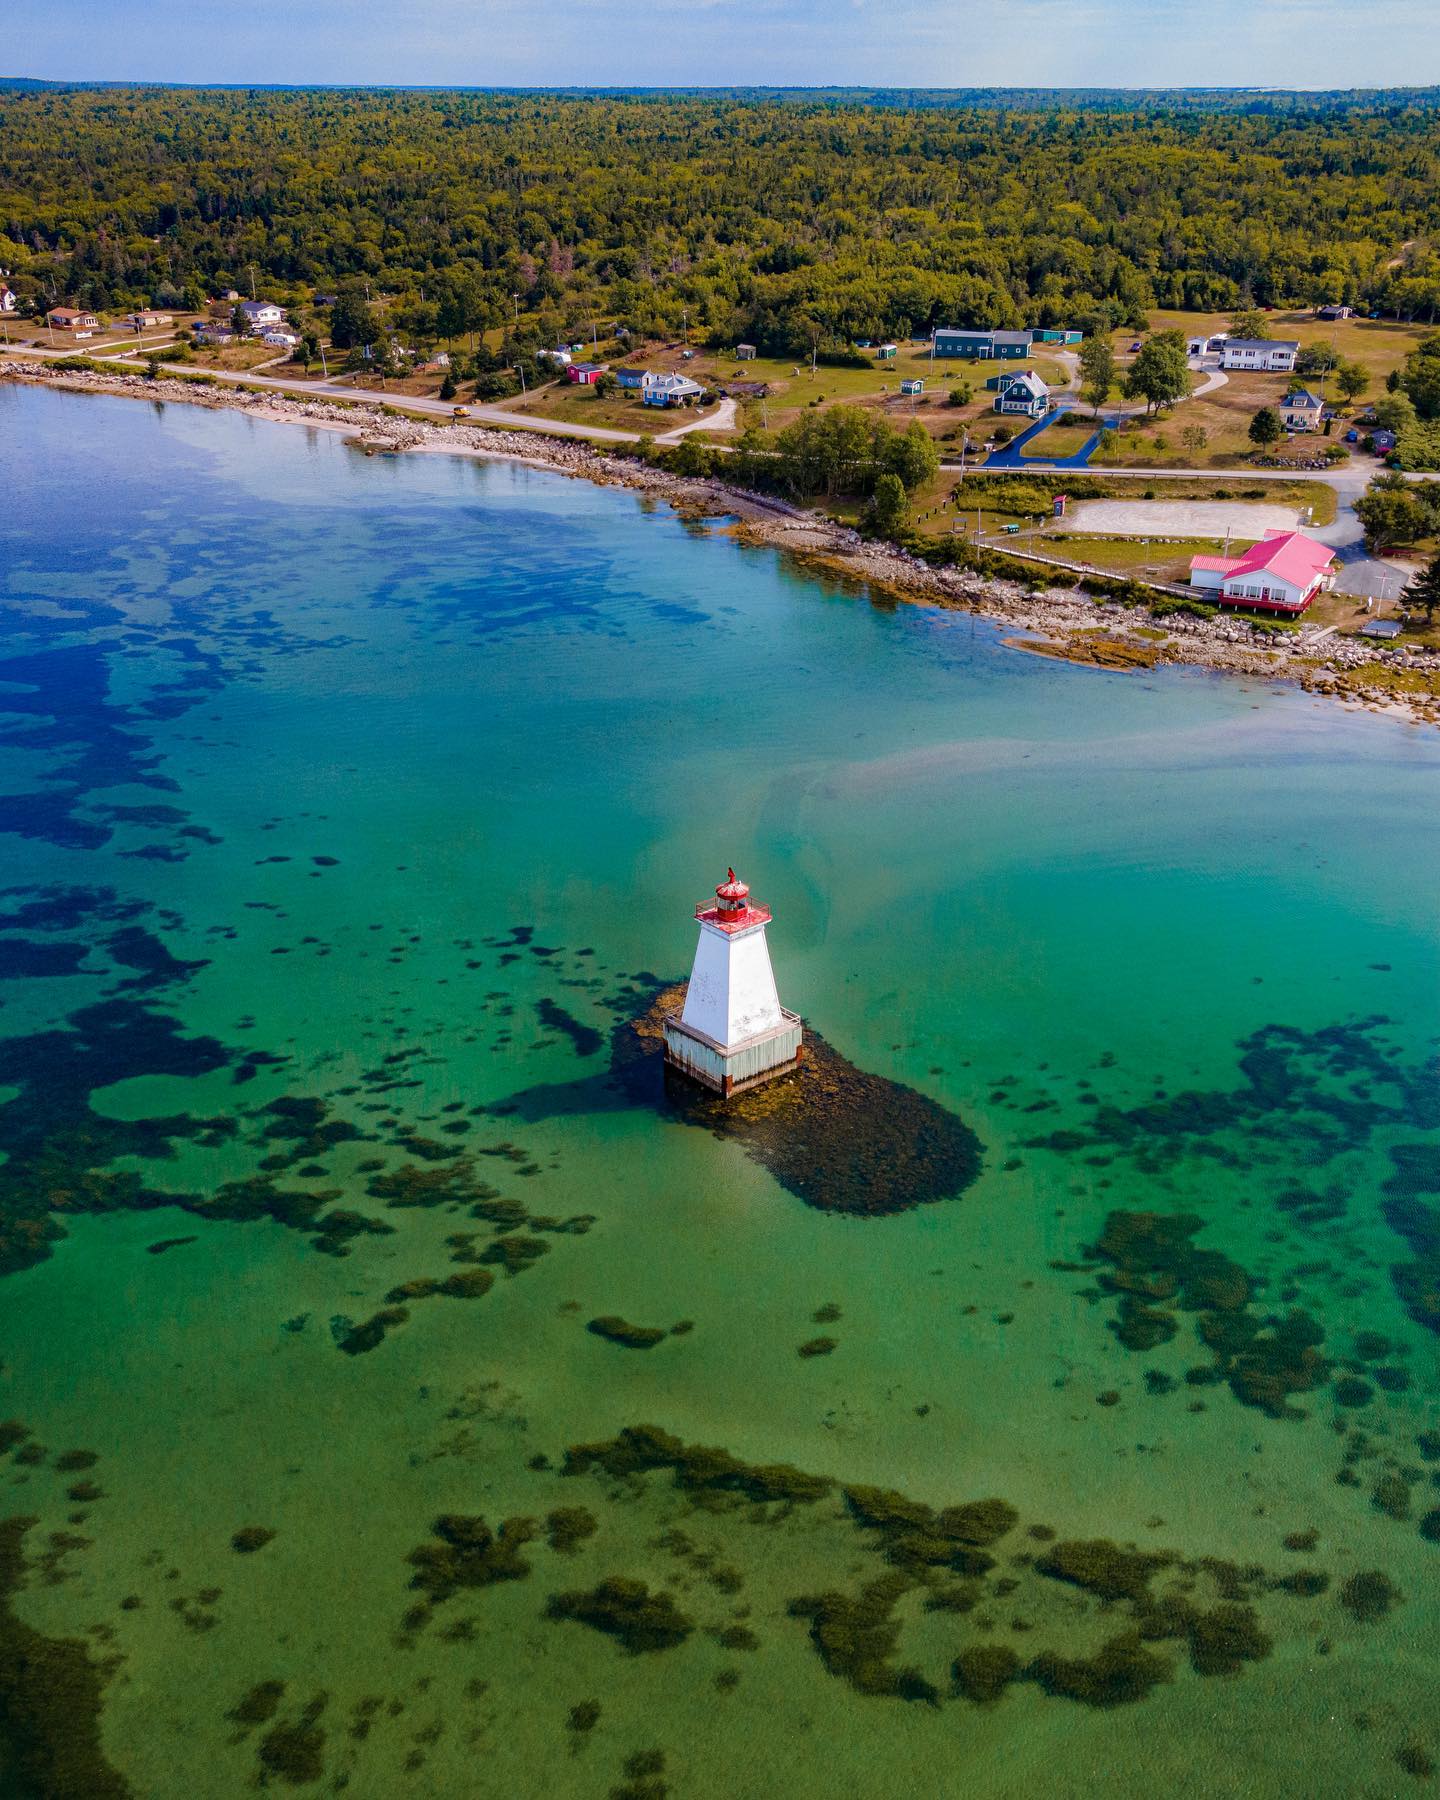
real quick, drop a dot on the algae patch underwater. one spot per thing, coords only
(838, 1137)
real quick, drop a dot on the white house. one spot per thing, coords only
(1206, 343)
(1023, 392)
(143, 321)
(1281, 574)
(1271, 355)
(8, 302)
(259, 315)
(1302, 411)
(670, 390)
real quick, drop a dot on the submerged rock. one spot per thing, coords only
(838, 1137)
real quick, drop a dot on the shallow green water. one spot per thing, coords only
(317, 761)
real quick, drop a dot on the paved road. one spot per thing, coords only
(332, 390)
(721, 419)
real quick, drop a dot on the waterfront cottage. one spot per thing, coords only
(1271, 355)
(670, 390)
(1281, 574)
(1023, 393)
(68, 318)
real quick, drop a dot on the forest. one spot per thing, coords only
(794, 221)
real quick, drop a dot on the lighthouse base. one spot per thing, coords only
(739, 1067)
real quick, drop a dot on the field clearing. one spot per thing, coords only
(1224, 415)
(1183, 518)
(1380, 345)
(1160, 561)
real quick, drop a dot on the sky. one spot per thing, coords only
(710, 43)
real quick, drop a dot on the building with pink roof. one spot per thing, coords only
(1282, 573)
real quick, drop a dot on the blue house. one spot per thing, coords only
(1023, 392)
(1054, 334)
(631, 378)
(975, 346)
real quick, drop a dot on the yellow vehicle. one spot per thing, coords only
(460, 412)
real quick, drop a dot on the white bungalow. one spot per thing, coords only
(260, 315)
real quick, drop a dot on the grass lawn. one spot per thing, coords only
(574, 405)
(1379, 345)
(1063, 438)
(245, 353)
(1162, 559)
(1224, 415)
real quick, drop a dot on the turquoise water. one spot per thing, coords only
(389, 785)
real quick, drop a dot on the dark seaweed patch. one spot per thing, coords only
(626, 1610)
(621, 1331)
(1121, 1672)
(466, 1553)
(50, 1700)
(639, 1448)
(27, 958)
(1155, 1269)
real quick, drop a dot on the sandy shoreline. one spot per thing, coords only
(1051, 620)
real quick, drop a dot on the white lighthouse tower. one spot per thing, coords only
(733, 1032)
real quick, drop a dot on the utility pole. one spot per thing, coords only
(685, 321)
(520, 371)
(253, 294)
(516, 299)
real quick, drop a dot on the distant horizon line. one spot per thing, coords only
(24, 83)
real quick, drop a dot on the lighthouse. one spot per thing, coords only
(732, 1033)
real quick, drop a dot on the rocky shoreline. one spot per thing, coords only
(1056, 620)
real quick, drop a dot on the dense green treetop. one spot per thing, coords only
(784, 219)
